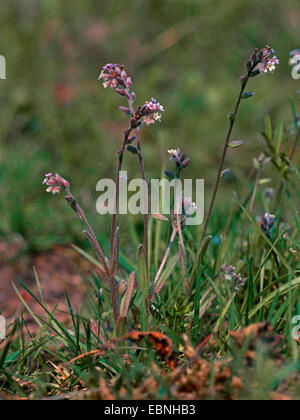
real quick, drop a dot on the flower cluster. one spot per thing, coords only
(230, 275)
(150, 112)
(115, 77)
(178, 157)
(55, 183)
(267, 224)
(262, 62)
(269, 65)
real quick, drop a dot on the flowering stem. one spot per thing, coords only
(95, 244)
(113, 263)
(114, 215)
(232, 118)
(142, 167)
(145, 197)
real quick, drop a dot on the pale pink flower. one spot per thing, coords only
(150, 112)
(115, 77)
(55, 183)
(266, 63)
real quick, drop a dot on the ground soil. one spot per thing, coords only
(58, 269)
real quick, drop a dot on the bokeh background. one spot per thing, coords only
(56, 116)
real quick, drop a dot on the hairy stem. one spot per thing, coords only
(95, 244)
(232, 119)
(142, 167)
(113, 263)
(114, 215)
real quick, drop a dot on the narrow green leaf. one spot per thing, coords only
(250, 295)
(282, 290)
(166, 273)
(278, 137)
(199, 257)
(235, 144)
(268, 129)
(197, 306)
(247, 95)
(223, 314)
(267, 240)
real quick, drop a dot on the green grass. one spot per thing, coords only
(271, 295)
(49, 43)
(175, 53)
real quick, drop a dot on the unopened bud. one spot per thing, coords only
(231, 116)
(185, 163)
(125, 110)
(128, 82)
(132, 96)
(122, 92)
(243, 80)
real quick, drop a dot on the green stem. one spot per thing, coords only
(232, 118)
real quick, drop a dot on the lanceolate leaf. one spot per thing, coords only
(248, 95)
(278, 137)
(268, 129)
(128, 295)
(166, 273)
(235, 144)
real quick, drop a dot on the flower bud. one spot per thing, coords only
(243, 80)
(247, 95)
(128, 82)
(231, 116)
(122, 92)
(132, 150)
(125, 110)
(132, 96)
(185, 163)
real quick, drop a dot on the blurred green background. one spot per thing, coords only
(189, 54)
